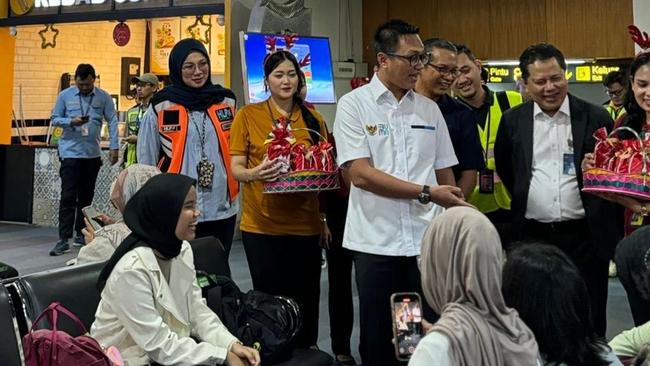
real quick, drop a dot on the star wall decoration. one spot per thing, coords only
(200, 25)
(46, 33)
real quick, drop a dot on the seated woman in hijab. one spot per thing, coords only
(461, 280)
(546, 288)
(101, 244)
(151, 308)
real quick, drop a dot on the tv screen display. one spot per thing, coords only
(313, 54)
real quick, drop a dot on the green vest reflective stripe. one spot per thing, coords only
(132, 128)
(500, 198)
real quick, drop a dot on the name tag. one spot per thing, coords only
(568, 167)
(423, 127)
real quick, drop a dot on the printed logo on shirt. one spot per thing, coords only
(371, 129)
(170, 128)
(224, 114)
(383, 129)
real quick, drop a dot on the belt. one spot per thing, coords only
(556, 226)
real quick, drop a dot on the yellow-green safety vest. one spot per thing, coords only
(500, 198)
(133, 117)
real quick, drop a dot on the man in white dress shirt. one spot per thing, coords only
(538, 151)
(395, 148)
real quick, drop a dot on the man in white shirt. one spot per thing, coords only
(538, 151)
(394, 146)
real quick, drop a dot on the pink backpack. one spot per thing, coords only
(45, 347)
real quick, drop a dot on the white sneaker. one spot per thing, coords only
(612, 269)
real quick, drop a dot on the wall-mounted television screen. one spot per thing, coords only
(313, 54)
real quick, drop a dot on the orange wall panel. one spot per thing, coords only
(7, 50)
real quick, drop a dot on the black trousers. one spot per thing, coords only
(634, 277)
(78, 177)
(288, 265)
(339, 276)
(220, 229)
(378, 277)
(574, 238)
(502, 221)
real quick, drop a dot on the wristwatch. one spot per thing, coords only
(425, 196)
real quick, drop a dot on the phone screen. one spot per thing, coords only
(407, 323)
(93, 217)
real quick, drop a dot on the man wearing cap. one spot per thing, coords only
(146, 87)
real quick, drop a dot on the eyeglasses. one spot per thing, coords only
(415, 59)
(445, 71)
(191, 68)
(615, 93)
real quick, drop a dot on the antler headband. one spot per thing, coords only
(640, 38)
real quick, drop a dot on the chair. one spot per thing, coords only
(11, 352)
(75, 287)
(209, 256)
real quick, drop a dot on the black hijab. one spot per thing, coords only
(178, 92)
(152, 214)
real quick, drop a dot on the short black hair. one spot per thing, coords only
(84, 71)
(440, 43)
(539, 52)
(387, 35)
(484, 74)
(615, 77)
(463, 49)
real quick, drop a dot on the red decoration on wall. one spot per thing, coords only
(121, 34)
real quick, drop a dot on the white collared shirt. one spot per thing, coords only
(553, 195)
(407, 139)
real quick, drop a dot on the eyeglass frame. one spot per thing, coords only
(186, 67)
(444, 71)
(416, 56)
(618, 93)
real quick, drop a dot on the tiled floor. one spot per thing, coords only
(26, 248)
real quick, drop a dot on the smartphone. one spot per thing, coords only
(93, 217)
(85, 118)
(406, 308)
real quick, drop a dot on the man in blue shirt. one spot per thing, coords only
(79, 111)
(434, 82)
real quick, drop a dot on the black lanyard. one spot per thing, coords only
(81, 105)
(488, 122)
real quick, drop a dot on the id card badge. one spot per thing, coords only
(568, 166)
(637, 220)
(84, 130)
(486, 181)
(205, 170)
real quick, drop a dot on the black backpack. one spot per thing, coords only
(265, 322)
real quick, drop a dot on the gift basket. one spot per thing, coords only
(304, 169)
(620, 165)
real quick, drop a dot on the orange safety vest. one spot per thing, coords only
(173, 125)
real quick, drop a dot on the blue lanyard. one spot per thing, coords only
(81, 105)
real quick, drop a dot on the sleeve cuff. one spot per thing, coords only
(446, 163)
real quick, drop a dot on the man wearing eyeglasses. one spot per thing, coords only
(434, 83)
(490, 195)
(616, 87)
(394, 146)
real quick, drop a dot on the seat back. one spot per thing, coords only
(11, 352)
(210, 256)
(75, 287)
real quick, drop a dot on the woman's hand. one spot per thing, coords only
(242, 355)
(325, 236)
(634, 205)
(588, 161)
(88, 232)
(267, 170)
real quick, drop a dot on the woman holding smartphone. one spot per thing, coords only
(461, 280)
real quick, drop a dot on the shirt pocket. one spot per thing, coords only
(423, 140)
(72, 108)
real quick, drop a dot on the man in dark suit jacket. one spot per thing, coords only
(538, 152)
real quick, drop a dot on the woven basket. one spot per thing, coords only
(304, 180)
(599, 180)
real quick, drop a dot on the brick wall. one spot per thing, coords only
(39, 70)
